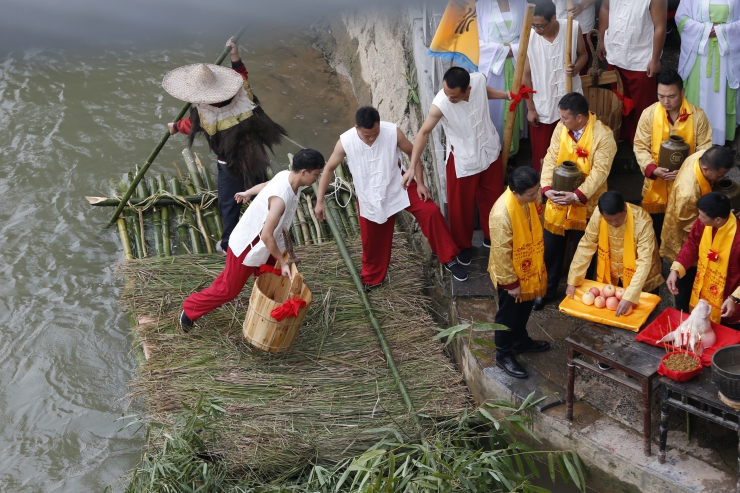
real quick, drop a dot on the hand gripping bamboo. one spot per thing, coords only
(518, 73)
(163, 140)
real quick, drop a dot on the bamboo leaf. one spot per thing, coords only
(484, 342)
(551, 466)
(572, 471)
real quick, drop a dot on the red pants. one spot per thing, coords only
(464, 193)
(377, 239)
(225, 287)
(539, 138)
(643, 91)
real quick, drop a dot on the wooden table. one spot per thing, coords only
(699, 397)
(618, 349)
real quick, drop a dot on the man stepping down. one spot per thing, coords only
(258, 237)
(671, 115)
(474, 174)
(373, 151)
(517, 267)
(714, 246)
(582, 139)
(695, 179)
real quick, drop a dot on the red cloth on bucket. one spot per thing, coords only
(661, 326)
(288, 309)
(268, 269)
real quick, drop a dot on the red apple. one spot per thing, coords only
(612, 303)
(595, 292)
(608, 291)
(619, 293)
(588, 298)
(599, 302)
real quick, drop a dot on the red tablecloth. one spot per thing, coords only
(671, 318)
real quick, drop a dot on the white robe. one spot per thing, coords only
(492, 34)
(587, 19)
(695, 43)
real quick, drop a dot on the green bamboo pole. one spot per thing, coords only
(195, 177)
(166, 243)
(297, 234)
(143, 193)
(127, 195)
(156, 220)
(125, 242)
(304, 227)
(213, 210)
(202, 228)
(182, 228)
(160, 202)
(132, 220)
(309, 223)
(376, 325)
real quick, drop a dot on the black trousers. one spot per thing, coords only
(555, 249)
(514, 316)
(227, 206)
(658, 224)
(684, 285)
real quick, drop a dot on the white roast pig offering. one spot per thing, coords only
(695, 332)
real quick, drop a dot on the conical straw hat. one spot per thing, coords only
(202, 83)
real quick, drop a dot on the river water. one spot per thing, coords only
(75, 113)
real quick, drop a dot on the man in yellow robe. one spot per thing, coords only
(613, 229)
(695, 179)
(582, 139)
(517, 267)
(671, 115)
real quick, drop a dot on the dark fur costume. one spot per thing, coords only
(243, 145)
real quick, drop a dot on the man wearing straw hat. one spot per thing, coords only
(373, 149)
(257, 239)
(236, 127)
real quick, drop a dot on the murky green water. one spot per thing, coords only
(71, 119)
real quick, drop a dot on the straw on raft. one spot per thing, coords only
(314, 403)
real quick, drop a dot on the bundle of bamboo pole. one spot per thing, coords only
(179, 215)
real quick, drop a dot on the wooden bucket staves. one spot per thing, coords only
(602, 101)
(270, 291)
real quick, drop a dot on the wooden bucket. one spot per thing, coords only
(603, 102)
(270, 291)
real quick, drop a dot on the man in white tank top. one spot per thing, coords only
(257, 239)
(633, 33)
(474, 174)
(372, 149)
(545, 73)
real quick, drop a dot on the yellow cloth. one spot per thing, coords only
(646, 140)
(214, 119)
(517, 247)
(601, 156)
(629, 255)
(647, 274)
(681, 211)
(456, 38)
(711, 275)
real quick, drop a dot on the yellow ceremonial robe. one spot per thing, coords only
(643, 145)
(647, 275)
(603, 150)
(681, 211)
(501, 259)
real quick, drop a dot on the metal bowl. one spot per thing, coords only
(726, 371)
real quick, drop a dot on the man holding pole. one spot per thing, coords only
(236, 127)
(474, 174)
(633, 33)
(372, 149)
(546, 73)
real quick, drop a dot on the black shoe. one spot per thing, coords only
(465, 256)
(535, 347)
(512, 367)
(456, 270)
(185, 321)
(370, 287)
(487, 242)
(604, 367)
(539, 303)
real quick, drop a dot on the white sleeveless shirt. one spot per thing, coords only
(375, 173)
(586, 20)
(547, 66)
(469, 129)
(629, 38)
(251, 223)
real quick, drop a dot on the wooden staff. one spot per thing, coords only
(569, 50)
(163, 140)
(516, 84)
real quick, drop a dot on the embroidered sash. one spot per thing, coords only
(711, 268)
(528, 248)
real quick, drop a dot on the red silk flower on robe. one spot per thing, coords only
(684, 116)
(713, 256)
(581, 152)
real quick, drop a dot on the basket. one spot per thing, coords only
(680, 376)
(725, 374)
(605, 103)
(270, 291)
